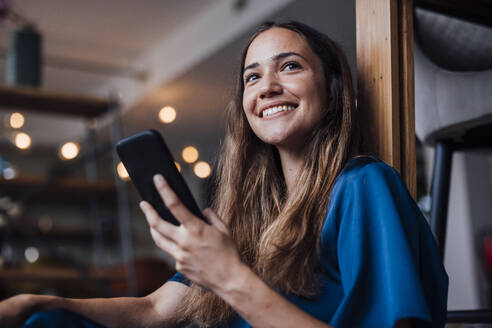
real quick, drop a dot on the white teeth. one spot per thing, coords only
(273, 110)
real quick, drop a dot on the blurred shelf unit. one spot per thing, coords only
(56, 103)
(59, 188)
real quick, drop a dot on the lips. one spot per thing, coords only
(273, 108)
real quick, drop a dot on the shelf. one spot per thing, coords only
(58, 274)
(49, 102)
(150, 274)
(64, 190)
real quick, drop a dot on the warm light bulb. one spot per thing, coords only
(22, 140)
(177, 166)
(202, 169)
(190, 154)
(69, 150)
(16, 120)
(122, 172)
(167, 114)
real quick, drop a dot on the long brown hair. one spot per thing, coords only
(278, 237)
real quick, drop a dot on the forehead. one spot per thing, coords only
(274, 41)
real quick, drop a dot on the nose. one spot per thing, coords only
(270, 86)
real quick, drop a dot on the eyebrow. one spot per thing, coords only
(276, 57)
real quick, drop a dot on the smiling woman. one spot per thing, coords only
(304, 232)
(282, 71)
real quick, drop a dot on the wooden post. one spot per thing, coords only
(407, 96)
(386, 83)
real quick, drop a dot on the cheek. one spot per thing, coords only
(316, 93)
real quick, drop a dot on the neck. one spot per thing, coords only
(291, 162)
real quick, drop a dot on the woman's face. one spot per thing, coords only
(284, 88)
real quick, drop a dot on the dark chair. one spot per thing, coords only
(453, 107)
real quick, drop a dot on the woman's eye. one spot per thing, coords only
(251, 77)
(291, 66)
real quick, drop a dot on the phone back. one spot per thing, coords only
(144, 155)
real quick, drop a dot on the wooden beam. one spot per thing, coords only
(408, 159)
(385, 83)
(377, 71)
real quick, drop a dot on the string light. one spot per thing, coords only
(189, 154)
(16, 120)
(22, 140)
(167, 114)
(69, 150)
(202, 169)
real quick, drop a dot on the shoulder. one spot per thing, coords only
(366, 189)
(365, 173)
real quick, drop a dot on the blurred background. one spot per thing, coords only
(78, 75)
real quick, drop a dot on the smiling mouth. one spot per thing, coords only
(276, 109)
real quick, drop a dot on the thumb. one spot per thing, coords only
(215, 220)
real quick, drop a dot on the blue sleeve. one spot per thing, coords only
(178, 277)
(388, 262)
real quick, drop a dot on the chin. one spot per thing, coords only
(274, 140)
(284, 142)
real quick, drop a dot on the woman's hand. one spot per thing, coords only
(15, 310)
(204, 253)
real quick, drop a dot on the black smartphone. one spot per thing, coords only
(144, 155)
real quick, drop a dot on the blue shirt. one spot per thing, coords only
(379, 258)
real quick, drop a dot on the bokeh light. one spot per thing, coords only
(122, 172)
(167, 114)
(69, 150)
(9, 173)
(16, 120)
(190, 154)
(31, 254)
(177, 166)
(202, 169)
(22, 140)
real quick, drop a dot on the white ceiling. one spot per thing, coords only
(188, 50)
(109, 31)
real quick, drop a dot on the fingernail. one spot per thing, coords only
(143, 205)
(159, 180)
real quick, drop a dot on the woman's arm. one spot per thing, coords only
(158, 309)
(261, 306)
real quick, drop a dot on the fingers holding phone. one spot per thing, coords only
(204, 253)
(172, 201)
